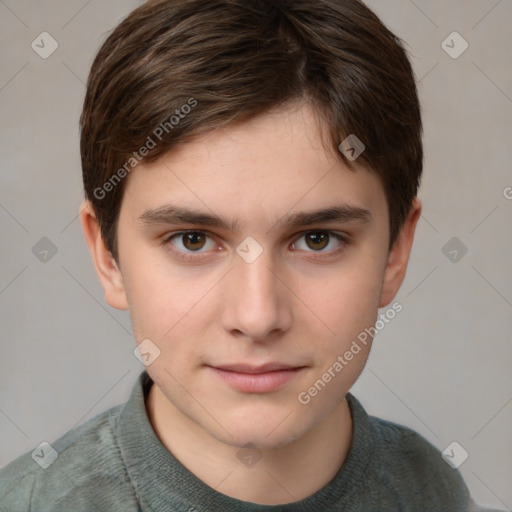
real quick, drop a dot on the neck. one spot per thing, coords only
(274, 476)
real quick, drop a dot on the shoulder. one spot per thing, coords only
(413, 463)
(406, 445)
(404, 470)
(76, 472)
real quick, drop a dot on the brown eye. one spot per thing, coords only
(317, 241)
(322, 242)
(193, 241)
(190, 242)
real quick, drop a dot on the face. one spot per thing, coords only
(250, 293)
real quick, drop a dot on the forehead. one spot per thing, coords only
(262, 169)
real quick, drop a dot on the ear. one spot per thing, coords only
(105, 264)
(399, 256)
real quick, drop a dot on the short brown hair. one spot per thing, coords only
(233, 60)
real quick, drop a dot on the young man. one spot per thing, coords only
(251, 171)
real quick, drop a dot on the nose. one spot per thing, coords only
(257, 303)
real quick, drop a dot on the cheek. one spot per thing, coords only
(168, 305)
(348, 305)
(156, 302)
(346, 300)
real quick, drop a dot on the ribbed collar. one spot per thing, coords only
(161, 481)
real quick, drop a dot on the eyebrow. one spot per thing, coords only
(170, 214)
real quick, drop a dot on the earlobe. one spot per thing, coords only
(106, 267)
(399, 256)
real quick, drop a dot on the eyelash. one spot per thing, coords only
(194, 256)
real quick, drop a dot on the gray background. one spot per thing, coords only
(442, 366)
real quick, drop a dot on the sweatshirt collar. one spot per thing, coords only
(161, 481)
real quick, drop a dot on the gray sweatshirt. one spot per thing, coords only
(115, 462)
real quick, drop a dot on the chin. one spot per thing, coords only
(262, 433)
(257, 441)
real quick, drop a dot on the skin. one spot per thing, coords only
(301, 302)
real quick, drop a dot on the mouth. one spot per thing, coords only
(256, 379)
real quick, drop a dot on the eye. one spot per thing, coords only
(192, 245)
(190, 241)
(319, 240)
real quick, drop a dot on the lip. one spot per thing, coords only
(256, 379)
